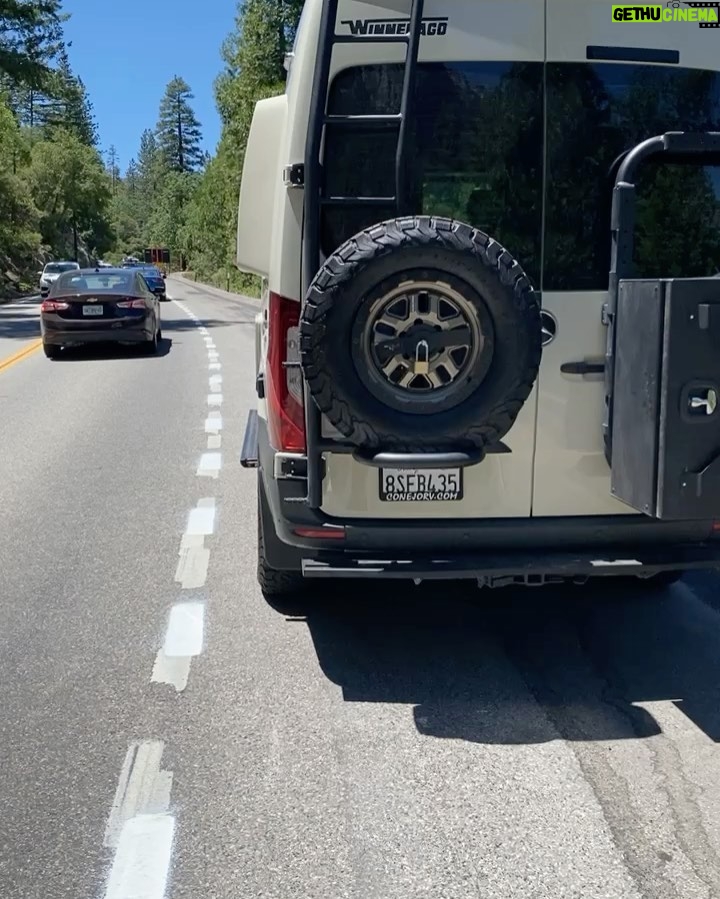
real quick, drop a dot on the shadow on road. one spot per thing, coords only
(517, 667)
(18, 325)
(186, 324)
(113, 351)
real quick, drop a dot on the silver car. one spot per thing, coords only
(51, 272)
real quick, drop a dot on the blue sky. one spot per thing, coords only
(126, 52)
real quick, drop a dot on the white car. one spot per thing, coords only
(51, 273)
(478, 356)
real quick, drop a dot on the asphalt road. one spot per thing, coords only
(165, 732)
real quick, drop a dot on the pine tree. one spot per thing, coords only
(70, 106)
(149, 166)
(132, 176)
(113, 168)
(30, 37)
(178, 131)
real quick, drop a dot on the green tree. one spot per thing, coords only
(253, 57)
(128, 211)
(178, 130)
(72, 189)
(167, 221)
(113, 169)
(68, 104)
(30, 37)
(19, 217)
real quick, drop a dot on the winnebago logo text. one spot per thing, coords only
(706, 15)
(431, 27)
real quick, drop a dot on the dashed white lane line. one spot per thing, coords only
(201, 520)
(192, 568)
(214, 442)
(142, 788)
(215, 382)
(139, 827)
(210, 465)
(184, 635)
(142, 861)
(183, 641)
(214, 399)
(213, 423)
(214, 366)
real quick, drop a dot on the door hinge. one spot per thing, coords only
(294, 175)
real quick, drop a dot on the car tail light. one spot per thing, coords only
(132, 303)
(53, 305)
(286, 417)
(329, 532)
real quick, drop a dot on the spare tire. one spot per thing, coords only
(421, 334)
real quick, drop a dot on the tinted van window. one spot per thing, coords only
(596, 113)
(477, 151)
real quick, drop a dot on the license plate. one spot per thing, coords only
(421, 485)
(92, 310)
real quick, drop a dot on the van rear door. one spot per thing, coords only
(477, 158)
(611, 85)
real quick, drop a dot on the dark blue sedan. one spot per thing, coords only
(155, 280)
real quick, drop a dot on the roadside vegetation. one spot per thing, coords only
(63, 196)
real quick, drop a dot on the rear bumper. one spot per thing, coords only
(58, 332)
(477, 549)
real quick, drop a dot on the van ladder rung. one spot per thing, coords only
(358, 201)
(363, 119)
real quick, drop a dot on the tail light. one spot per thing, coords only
(53, 305)
(284, 389)
(132, 304)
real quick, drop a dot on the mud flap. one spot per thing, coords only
(666, 398)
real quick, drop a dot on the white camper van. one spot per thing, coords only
(489, 345)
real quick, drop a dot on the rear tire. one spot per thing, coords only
(51, 351)
(274, 583)
(150, 347)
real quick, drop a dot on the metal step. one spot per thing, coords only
(582, 563)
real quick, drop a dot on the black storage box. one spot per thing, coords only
(666, 398)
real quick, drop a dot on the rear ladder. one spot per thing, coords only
(314, 201)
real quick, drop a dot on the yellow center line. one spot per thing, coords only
(21, 354)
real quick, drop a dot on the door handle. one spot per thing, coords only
(582, 368)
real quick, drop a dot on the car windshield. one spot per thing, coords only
(93, 282)
(151, 271)
(56, 268)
